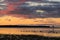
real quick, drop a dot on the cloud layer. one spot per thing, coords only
(24, 9)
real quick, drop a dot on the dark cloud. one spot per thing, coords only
(13, 0)
(31, 11)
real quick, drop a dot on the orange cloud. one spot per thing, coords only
(10, 20)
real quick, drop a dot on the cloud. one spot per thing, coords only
(24, 9)
(54, 0)
(13, 0)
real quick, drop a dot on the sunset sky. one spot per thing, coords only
(14, 14)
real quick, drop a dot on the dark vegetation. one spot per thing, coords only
(28, 26)
(24, 26)
(25, 37)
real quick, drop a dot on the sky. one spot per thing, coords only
(22, 11)
(53, 0)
